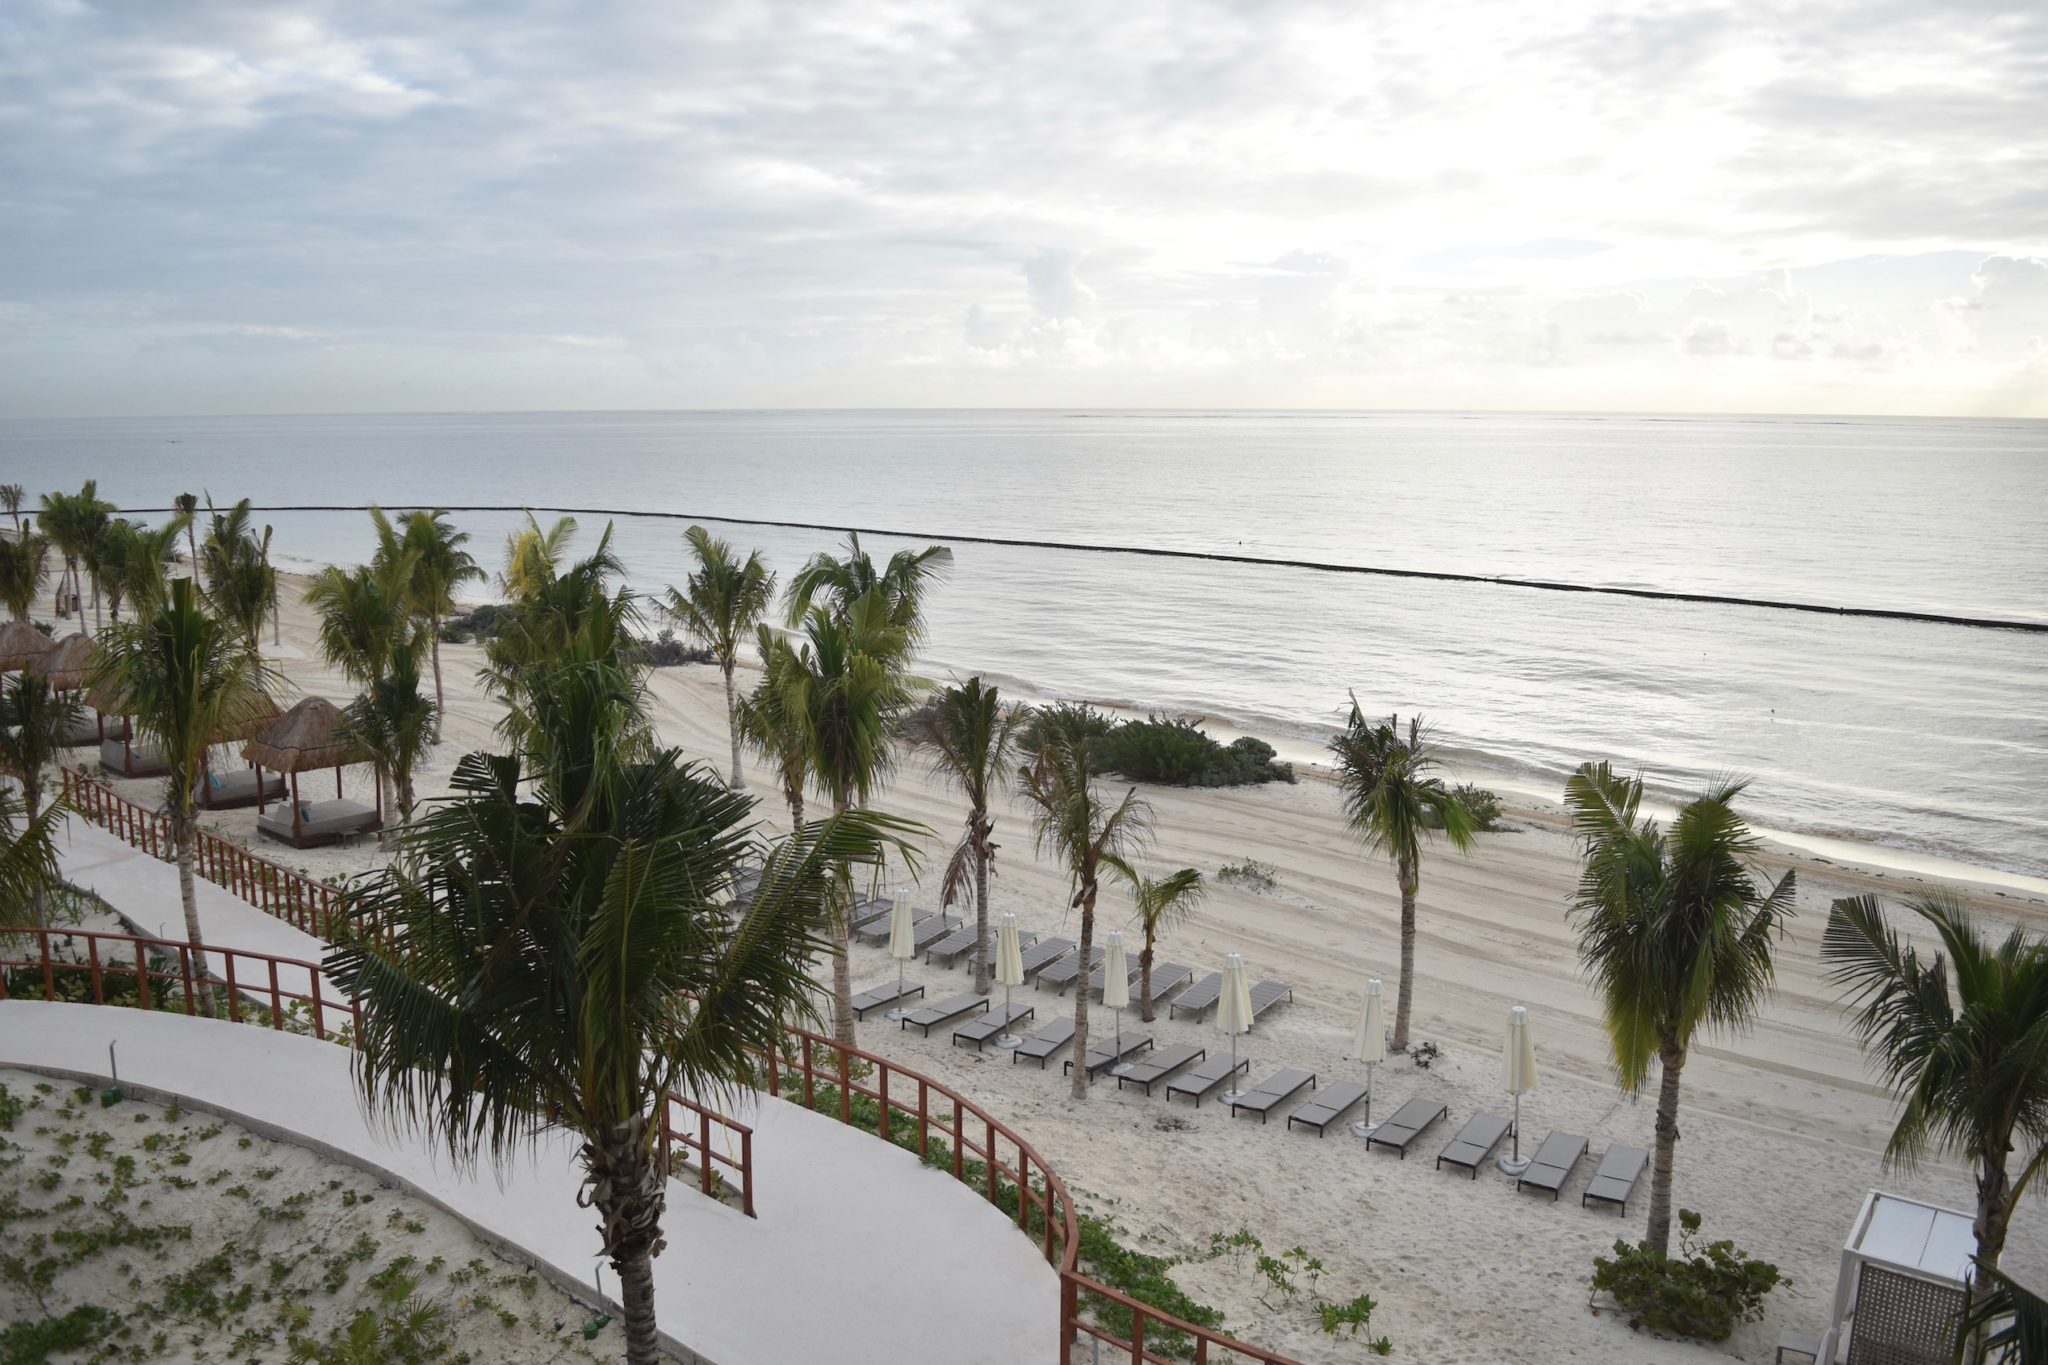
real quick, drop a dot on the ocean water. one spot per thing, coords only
(1921, 736)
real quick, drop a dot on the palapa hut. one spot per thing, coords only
(305, 739)
(67, 667)
(248, 786)
(120, 755)
(21, 644)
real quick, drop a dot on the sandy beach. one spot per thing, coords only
(1782, 1129)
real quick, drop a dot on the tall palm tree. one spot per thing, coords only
(135, 562)
(74, 523)
(724, 599)
(395, 721)
(568, 959)
(1675, 929)
(1961, 1037)
(24, 568)
(34, 724)
(440, 565)
(901, 585)
(777, 733)
(970, 736)
(2003, 1322)
(1396, 802)
(1087, 835)
(188, 508)
(187, 680)
(234, 562)
(11, 497)
(1162, 902)
(533, 557)
(563, 608)
(363, 617)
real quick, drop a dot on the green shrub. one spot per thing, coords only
(1070, 722)
(1179, 753)
(1701, 1293)
(1484, 805)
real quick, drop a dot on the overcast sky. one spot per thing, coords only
(266, 207)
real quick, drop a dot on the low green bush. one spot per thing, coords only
(1702, 1292)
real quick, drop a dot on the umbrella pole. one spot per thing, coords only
(1236, 1091)
(1008, 1039)
(899, 1014)
(1515, 1165)
(1367, 1128)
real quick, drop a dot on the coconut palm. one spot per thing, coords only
(901, 585)
(234, 561)
(28, 859)
(1961, 1037)
(1395, 802)
(1161, 903)
(135, 561)
(188, 508)
(723, 600)
(24, 568)
(2003, 1322)
(11, 497)
(74, 523)
(561, 608)
(1088, 836)
(363, 617)
(440, 565)
(569, 961)
(1675, 929)
(186, 679)
(772, 729)
(34, 723)
(533, 557)
(970, 737)
(395, 721)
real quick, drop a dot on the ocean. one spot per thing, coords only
(1925, 737)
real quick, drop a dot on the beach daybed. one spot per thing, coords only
(1040, 1046)
(1102, 1056)
(1277, 1087)
(886, 994)
(122, 756)
(952, 1007)
(1157, 1066)
(1552, 1164)
(1067, 970)
(1615, 1180)
(1042, 953)
(1469, 1149)
(1167, 977)
(1329, 1104)
(311, 737)
(991, 1025)
(1407, 1124)
(313, 823)
(1199, 996)
(1267, 994)
(237, 787)
(1206, 1077)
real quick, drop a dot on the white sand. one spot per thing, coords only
(1782, 1129)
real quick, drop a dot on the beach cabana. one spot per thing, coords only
(66, 666)
(120, 755)
(309, 738)
(232, 788)
(21, 644)
(1901, 1285)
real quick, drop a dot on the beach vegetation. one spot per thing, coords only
(435, 565)
(719, 605)
(1067, 722)
(1701, 1293)
(12, 496)
(1161, 903)
(24, 569)
(1251, 874)
(1179, 753)
(1961, 1037)
(397, 723)
(134, 562)
(771, 723)
(2003, 1322)
(1395, 802)
(900, 587)
(481, 622)
(234, 564)
(35, 721)
(665, 650)
(74, 523)
(1482, 805)
(28, 858)
(1676, 930)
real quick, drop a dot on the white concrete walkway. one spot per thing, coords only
(859, 1254)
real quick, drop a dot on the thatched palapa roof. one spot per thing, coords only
(21, 643)
(68, 666)
(303, 739)
(265, 714)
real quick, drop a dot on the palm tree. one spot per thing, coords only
(2003, 1322)
(533, 557)
(970, 738)
(74, 523)
(723, 600)
(11, 497)
(135, 562)
(188, 508)
(901, 586)
(34, 724)
(395, 721)
(772, 729)
(28, 858)
(1088, 836)
(562, 608)
(1961, 1037)
(187, 680)
(363, 617)
(439, 566)
(1395, 802)
(568, 959)
(24, 568)
(1161, 903)
(234, 561)
(1675, 930)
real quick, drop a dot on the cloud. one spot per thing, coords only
(1057, 291)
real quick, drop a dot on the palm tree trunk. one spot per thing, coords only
(1145, 979)
(981, 853)
(629, 1189)
(440, 697)
(842, 973)
(1080, 1090)
(31, 795)
(1658, 1235)
(738, 781)
(185, 833)
(1994, 1208)
(1404, 999)
(795, 797)
(192, 545)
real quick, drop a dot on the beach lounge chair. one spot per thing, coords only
(1040, 1046)
(320, 822)
(1043, 953)
(885, 994)
(1407, 1124)
(864, 914)
(1106, 1054)
(1206, 1077)
(1199, 996)
(1328, 1105)
(1067, 970)
(952, 1007)
(1279, 1086)
(1157, 1066)
(1616, 1178)
(1167, 977)
(1100, 976)
(876, 930)
(992, 1025)
(1552, 1164)
(1267, 994)
(960, 943)
(1469, 1149)
(927, 932)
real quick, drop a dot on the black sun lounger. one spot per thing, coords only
(960, 943)
(952, 1007)
(1277, 1087)
(1067, 970)
(1041, 954)
(1102, 1056)
(930, 931)
(1267, 994)
(1041, 1045)
(866, 913)
(876, 928)
(1329, 1105)
(991, 1025)
(1469, 1149)
(1167, 977)
(1552, 1164)
(1616, 1179)
(1157, 1066)
(1407, 1124)
(1206, 1077)
(886, 994)
(1199, 996)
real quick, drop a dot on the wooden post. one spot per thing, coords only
(295, 810)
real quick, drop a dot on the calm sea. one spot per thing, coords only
(1928, 737)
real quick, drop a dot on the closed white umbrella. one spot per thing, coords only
(1518, 1074)
(1009, 971)
(902, 944)
(1116, 990)
(1234, 1015)
(1369, 1045)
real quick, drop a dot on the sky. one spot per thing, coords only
(521, 204)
